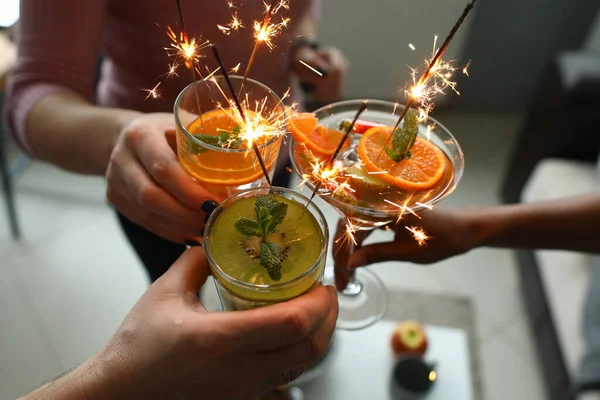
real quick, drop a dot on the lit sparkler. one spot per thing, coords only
(252, 125)
(326, 175)
(435, 79)
(266, 31)
(331, 161)
(418, 234)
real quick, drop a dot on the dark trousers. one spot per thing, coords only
(158, 254)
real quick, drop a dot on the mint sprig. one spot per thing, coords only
(269, 214)
(225, 139)
(404, 137)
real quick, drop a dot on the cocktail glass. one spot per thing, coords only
(212, 136)
(242, 283)
(364, 301)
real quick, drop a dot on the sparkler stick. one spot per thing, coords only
(180, 11)
(189, 56)
(362, 108)
(434, 61)
(241, 111)
(264, 27)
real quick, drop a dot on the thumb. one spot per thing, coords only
(188, 273)
(380, 252)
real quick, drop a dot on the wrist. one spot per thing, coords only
(483, 225)
(103, 376)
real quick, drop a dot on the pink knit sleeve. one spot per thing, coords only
(58, 49)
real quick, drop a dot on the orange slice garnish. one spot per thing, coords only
(317, 138)
(421, 171)
(226, 168)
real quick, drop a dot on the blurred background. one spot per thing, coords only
(526, 118)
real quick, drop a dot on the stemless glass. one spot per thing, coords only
(236, 294)
(364, 301)
(201, 109)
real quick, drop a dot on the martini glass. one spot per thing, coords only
(364, 301)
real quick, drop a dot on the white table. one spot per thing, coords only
(361, 363)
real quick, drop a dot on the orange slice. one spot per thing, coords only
(226, 168)
(317, 138)
(421, 171)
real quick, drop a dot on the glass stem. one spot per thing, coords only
(354, 287)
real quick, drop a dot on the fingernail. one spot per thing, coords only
(208, 207)
(192, 243)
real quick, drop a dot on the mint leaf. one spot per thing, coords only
(393, 155)
(224, 137)
(278, 213)
(247, 227)
(270, 213)
(209, 139)
(404, 137)
(271, 258)
(265, 201)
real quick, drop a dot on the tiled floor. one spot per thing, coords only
(68, 284)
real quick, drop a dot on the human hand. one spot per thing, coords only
(330, 62)
(170, 346)
(147, 184)
(450, 232)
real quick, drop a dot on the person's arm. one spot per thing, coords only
(50, 104)
(569, 224)
(84, 382)
(170, 347)
(55, 126)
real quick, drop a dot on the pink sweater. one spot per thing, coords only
(60, 42)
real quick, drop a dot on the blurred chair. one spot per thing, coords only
(555, 157)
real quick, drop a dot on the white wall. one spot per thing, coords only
(375, 35)
(593, 40)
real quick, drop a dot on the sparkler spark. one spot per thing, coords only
(313, 69)
(411, 46)
(419, 235)
(466, 68)
(153, 93)
(235, 69)
(173, 70)
(233, 26)
(348, 236)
